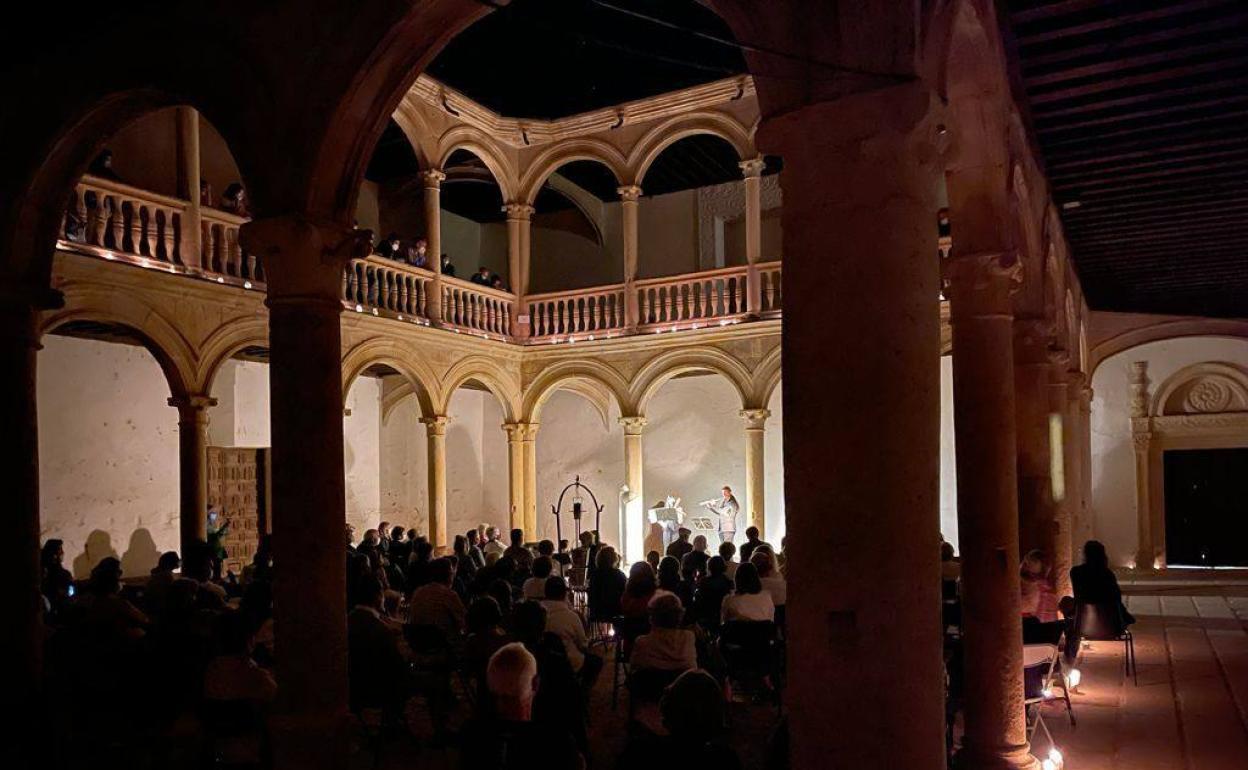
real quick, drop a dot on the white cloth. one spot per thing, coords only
(563, 622)
(493, 547)
(757, 606)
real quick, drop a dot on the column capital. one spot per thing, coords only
(518, 211)
(752, 167)
(1085, 399)
(633, 426)
(432, 177)
(755, 419)
(436, 424)
(520, 431)
(980, 285)
(194, 403)
(629, 192)
(303, 256)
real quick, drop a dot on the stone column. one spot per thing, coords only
(1072, 453)
(629, 204)
(752, 171)
(193, 467)
(19, 475)
(435, 428)
(304, 259)
(515, 473)
(755, 467)
(519, 223)
(529, 444)
(1058, 536)
(1087, 529)
(1142, 440)
(860, 279)
(979, 288)
(1037, 507)
(633, 538)
(190, 246)
(432, 179)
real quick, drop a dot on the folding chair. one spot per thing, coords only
(1042, 672)
(1104, 623)
(626, 631)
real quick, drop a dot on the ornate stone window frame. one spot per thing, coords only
(1202, 406)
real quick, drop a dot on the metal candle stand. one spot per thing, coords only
(578, 508)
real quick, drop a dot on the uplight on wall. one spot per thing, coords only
(1057, 471)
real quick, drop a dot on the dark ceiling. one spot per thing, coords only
(553, 58)
(1141, 111)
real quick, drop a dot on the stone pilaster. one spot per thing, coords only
(1146, 556)
(751, 172)
(755, 467)
(1058, 542)
(519, 229)
(630, 196)
(1033, 408)
(979, 287)
(304, 258)
(193, 467)
(634, 500)
(435, 430)
(515, 473)
(529, 444)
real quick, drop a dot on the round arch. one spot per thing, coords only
(483, 147)
(384, 351)
(224, 343)
(419, 135)
(1166, 330)
(555, 157)
(157, 336)
(766, 380)
(665, 366)
(488, 373)
(672, 130)
(600, 377)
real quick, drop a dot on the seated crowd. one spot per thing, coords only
(517, 633)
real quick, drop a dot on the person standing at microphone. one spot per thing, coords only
(727, 509)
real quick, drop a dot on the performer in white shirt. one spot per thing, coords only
(726, 508)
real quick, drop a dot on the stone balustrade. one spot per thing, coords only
(117, 222)
(593, 312)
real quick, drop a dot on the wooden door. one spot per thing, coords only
(236, 487)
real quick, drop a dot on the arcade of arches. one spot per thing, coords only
(672, 278)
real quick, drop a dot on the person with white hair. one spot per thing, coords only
(506, 736)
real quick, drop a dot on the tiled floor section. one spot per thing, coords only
(1190, 708)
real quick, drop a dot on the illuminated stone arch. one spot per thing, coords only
(672, 130)
(596, 382)
(384, 351)
(159, 337)
(486, 371)
(419, 135)
(766, 380)
(656, 372)
(484, 147)
(225, 342)
(1105, 349)
(560, 154)
(1210, 387)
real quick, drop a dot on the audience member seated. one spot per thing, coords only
(764, 560)
(483, 277)
(234, 200)
(638, 591)
(110, 620)
(727, 550)
(522, 556)
(160, 582)
(237, 691)
(1038, 599)
(667, 646)
(485, 635)
(102, 167)
(709, 597)
(750, 602)
(752, 541)
(671, 581)
(474, 548)
(697, 557)
(512, 736)
(465, 567)
(492, 544)
(436, 606)
(606, 586)
(653, 558)
(389, 246)
(1095, 584)
(565, 623)
(377, 657)
(56, 580)
(681, 545)
(448, 269)
(418, 564)
(559, 699)
(694, 714)
(534, 588)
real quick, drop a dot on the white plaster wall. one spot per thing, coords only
(476, 462)
(404, 469)
(574, 441)
(773, 471)
(948, 467)
(361, 449)
(241, 416)
(1113, 508)
(108, 454)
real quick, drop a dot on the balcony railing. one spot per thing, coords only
(118, 222)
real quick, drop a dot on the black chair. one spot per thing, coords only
(646, 685)
(1104, 622)
(750, 653)
(236, 734)
(626, 631)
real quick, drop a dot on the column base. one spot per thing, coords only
(311, 741)
(1016, 758)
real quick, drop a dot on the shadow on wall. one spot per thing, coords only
(141, 555)
(99, 546)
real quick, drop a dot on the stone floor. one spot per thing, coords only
(1190, 708)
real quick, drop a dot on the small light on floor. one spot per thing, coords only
(246, 284)
(1074, 677)
(1047, 693)
(220, 279)
(359, 308)
(1055, 756)
(1048, 764)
